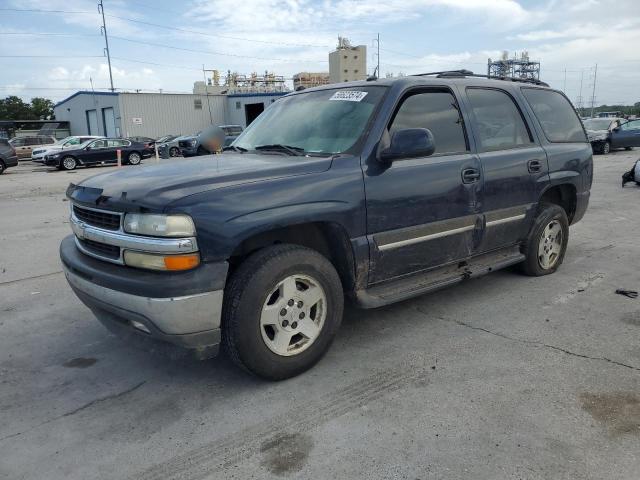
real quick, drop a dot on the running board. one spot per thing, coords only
(408, 287)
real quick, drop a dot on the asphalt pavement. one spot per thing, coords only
(501, 377)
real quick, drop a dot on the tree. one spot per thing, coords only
(13, 108)
(42, 108)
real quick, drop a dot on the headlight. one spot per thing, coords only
(601, 136)
(194, 142)
(159, 225)
(151, 261)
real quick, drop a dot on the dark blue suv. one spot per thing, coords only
(376, 190)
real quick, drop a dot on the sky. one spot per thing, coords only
(164, 44)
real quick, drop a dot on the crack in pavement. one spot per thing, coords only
(76, 410)
(532, 342)
(9, 282)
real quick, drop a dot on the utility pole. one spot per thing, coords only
(593, 93)
(206, 92)
(103, 29)
(564, 88)
(579, 99)
(378, 67)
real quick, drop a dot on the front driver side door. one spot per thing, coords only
(423, 212)
(626, 135)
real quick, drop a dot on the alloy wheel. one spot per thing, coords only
(134, 159)
(550, 245)
(69, 163)
(293, 315)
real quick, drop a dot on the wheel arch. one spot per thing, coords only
(564, 195)
(330, 239)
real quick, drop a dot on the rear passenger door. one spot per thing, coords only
(422, 212)
(627, 135)
(514, 166)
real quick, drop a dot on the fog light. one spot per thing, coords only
(161, 262)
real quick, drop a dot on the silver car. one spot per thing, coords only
(38, 154)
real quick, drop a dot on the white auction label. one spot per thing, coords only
(349, 95)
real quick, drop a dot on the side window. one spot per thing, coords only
(18, 142)
(556, 115)
(32, 141)
(632, 125)
(74, 141)
(114, 143)
(99, 144)
(499, 122)
(48, 141)
(437, 111)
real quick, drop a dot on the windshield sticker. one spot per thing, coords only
(349, 95)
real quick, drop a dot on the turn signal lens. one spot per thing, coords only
(182, 262)
(161, 262)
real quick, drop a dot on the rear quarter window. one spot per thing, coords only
(558, 119)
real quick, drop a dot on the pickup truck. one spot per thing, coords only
(375, 191)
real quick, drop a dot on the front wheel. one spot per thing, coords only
(606, 148)
(547, 241)
(174, 152)
(282, 309)
(69, 163)
(2, 167)
(134, 158)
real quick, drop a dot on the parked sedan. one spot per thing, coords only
(168, 146)
(98, 152)
(38, 154)
(8, 157)
(607, 133)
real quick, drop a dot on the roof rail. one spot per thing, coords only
(467, 73)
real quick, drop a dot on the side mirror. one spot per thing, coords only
(409, 143)
(88, 147)
(617, 129)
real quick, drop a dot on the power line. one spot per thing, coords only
(210, 52)
(51, 56)
(177, 29)
(52, 34)
(41, 10)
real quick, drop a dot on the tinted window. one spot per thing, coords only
(47, 140)
(500, 125)
(558, 119)
(17, 142)
(99, 144)
(633, 125)
(436, 111)
(32, 141)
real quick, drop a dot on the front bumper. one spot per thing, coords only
(180, 309)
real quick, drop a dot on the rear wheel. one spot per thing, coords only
(174, 152)
(547, 241)
(134, 158)
(2, 167)
(69, 163)
(281, 311)
(628, 148)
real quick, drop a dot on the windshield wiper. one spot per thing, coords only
(234, 148)
(294, 151)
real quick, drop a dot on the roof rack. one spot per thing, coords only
(468, 73)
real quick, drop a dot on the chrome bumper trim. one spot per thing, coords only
(172, 316)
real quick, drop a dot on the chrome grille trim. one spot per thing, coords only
(126, 241)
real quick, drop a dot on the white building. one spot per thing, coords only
(347, 63)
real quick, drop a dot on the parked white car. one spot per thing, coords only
(38, 154)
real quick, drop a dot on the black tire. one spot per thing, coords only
(2, 167)
(606, 148)
(628, 148)
(246, 294)
(202, 151)
(547, 213)
(68, 163)
(134, 158)
(174, 152)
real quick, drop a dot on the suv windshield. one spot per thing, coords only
(597, 123)
(320, 122)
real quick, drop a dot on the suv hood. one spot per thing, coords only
(154, 187)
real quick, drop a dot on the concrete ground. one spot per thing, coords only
(503, 377)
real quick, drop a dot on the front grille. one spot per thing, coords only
(101, 249)
(108, 221)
